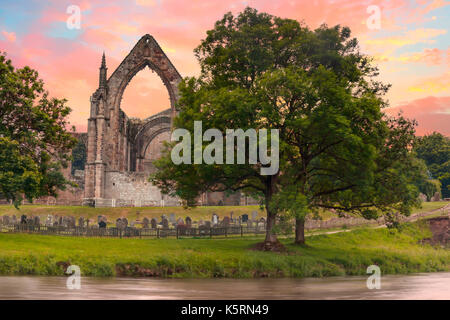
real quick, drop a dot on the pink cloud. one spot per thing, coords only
(432, 114)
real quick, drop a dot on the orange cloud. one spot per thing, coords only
(10, 36)
(427, 56)
(437, 84)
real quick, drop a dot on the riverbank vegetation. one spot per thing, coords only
(346, 253)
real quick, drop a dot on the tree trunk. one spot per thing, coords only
(270, 236)
(299, 231)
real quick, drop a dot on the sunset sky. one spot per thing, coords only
(412, 47)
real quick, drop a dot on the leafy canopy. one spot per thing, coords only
(338, 150)
(33, 128)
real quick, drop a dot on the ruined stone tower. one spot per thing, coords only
(118, 160)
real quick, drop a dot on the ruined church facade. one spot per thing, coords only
(121, 150)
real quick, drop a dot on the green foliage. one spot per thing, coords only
(79, 156)
(33, 125)
(434, 149)
(19, 174)
(338, 150)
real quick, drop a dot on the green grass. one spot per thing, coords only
(346, 253)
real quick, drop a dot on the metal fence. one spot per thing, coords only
(131, 232)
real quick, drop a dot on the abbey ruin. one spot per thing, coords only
(120, 150)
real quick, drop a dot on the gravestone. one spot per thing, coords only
(436, 197)
(165, 223)
(244, 218)
(145, 223)
(102, 224)
(201, 222)
(254, 215)
(5, 219)
(208, 224)
(225, 222)
(215, 219)
(172, 218)
(422, 197)
(49, 221)
(30, 221)
(14, 219)
(231, 216)
(119, 224)
(180, 222)
(37, 221)
(23, 219)
(188, 222)
(153, 222)
(125, 222)
(81, 222)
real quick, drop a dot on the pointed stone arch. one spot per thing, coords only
(146, 52)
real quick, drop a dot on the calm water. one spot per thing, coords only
(418, 286)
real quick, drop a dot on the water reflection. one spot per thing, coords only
(419, 286)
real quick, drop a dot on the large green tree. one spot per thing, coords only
(434, 149)
(35, 142)
(337, 149)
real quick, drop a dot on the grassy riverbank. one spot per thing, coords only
(346, 253)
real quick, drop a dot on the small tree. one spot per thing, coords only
(337, 149)
(35, 140)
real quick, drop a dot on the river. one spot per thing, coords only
(417, 286)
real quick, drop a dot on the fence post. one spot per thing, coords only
(177, 231)
(157, 233)
(242, 233)
(226, 232)
(210, 232)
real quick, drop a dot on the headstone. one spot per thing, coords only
(225, 222)
(119, 224)
(81, 222)
(165, 223)
(172, 218)
(201, 222)
(231, 216)
(436, 197)
(145, 223)
(102, 224)
(208, 224)
(215, 219)
(125, 222)
(37, 221)
(254, 215)
(244, 218)
(188, 222)
(422, 197)
(23, 219)
(5, 219)
(153, 222)
(180, 222)
(14, 219)
(49, 221)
